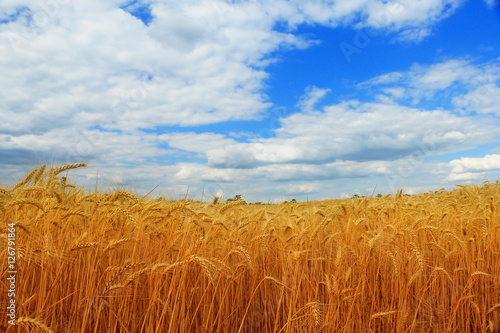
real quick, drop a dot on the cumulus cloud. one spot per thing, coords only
(388, 78)
(464, 176)
(189, 67)
(312, 96)
(199, 143)
(442, 75)
(345, 140)
(350, 139)
(412, 20)
(353, 131)
(442, 80)
(485, 99)
(489, 162)
(426, 80)
(326, 171)
(197, 62)
(89, 80)
(473, 167)
(397, 92)
(294, 189)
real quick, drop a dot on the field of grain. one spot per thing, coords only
(114, 262)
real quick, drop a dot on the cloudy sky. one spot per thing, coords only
(270, 99)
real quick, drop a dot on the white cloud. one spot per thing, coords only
(368, 131)
(346, 140)
(489, 162)
(96, 59)
(294, 189)
(464, 176)
(326, 171)
(473, 167)
(442, 80)
(442, 75)
(397, 92)
(106, 148)
(83, 80)
(426, 80)
(349, 131)
(485, 99)
(312, 96)
(384, 79)
(198, 62)
(201, 172)
(412, 20)
(199, 143)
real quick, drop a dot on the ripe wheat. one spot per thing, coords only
(118, 262)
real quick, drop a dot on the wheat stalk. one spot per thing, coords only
(167, 266)
(39, 175)
(127, 214)
(77, 213)
(25, 180)
(206, 266)
(86, 197)
(26, 321)
(476, 273)
(122, 194)
(119, 273)
(116, 243)
(230, 205)
(82, 245)
(493, 308)
(418, 254)
(394, 262)
(56, 171)
(316, 313)
(23, 201)
(279, 283)
(445, 272)
(383, 314)
(243, 253)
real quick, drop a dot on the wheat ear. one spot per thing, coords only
(26, 321)
(25, 180)
(60, 169)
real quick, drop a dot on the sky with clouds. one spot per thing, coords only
(273, 100)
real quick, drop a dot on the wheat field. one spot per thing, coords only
(115, 262)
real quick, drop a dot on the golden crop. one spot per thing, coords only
(114, 262)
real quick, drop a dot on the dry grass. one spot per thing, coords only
(117, 263)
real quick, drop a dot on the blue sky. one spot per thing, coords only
(273, 100)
